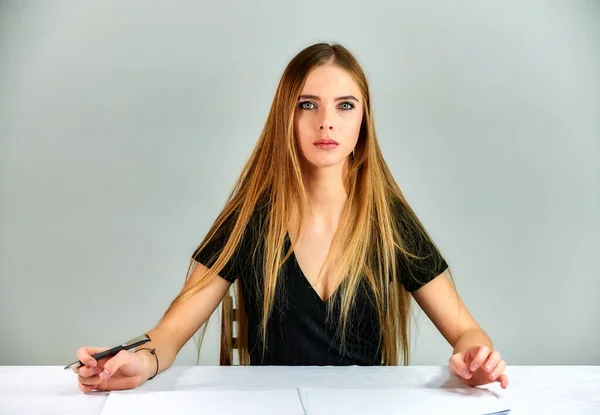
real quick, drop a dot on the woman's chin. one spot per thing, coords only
(325, 162)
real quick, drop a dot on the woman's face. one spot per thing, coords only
(328, 116)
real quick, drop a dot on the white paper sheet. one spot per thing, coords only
(222, 402)
(463, 401)
(77, 403)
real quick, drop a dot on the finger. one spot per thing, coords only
(503, 379)
(86, 371)
(86, 388)
(498, 370)
(492, 361)
(112, 365)
(119, 383)
(480, 357)
(84, 354)
(468, 359)
(89, 381)
(459, 367)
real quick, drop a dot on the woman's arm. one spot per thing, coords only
(474, 359)
(183, 320)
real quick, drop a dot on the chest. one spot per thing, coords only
(310, 253)
(300, 331)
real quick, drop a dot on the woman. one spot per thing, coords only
(323, 247)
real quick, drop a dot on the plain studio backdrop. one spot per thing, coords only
(123, 126)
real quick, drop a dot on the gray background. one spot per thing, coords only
(123, 126)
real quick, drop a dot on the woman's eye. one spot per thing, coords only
(307, 105)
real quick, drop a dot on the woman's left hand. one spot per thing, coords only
(479, 365)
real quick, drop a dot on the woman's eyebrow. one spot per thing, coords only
(316, 98)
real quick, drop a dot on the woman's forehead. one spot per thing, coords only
(330, 81)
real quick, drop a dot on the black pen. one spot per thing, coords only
(111, 352)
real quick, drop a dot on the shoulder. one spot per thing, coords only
(222, 229)
(419, 258)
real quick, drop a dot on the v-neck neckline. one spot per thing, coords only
(302, 275)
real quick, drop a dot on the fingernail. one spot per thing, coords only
(494, 374)
(105, 373)
(488, 367)
(473, 367)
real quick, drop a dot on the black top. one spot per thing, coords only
(297, 331)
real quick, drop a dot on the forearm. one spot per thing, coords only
(165, 349)
(472, 337)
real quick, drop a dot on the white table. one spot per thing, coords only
(532, 390)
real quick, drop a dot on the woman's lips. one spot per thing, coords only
(326, 144)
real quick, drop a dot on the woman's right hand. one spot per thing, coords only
(125, 370)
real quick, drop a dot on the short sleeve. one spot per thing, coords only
(208, 254)
(414, 273)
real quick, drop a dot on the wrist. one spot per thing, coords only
(470, 338)
(151, 364)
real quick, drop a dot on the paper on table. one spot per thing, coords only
(463, 401)
(222, 402)
(77, 403)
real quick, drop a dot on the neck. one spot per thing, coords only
(326, 192)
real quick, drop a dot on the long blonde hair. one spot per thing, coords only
(382, 223)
